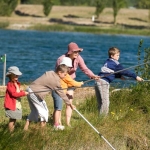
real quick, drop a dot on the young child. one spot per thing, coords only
(65, 83)
(12, 101)
(107, 75)
(49, 81)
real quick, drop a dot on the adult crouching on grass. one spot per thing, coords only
(77, 60)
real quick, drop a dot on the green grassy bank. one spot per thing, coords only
(4, 25)
(127, 126)
(91, 29)
(85, 29)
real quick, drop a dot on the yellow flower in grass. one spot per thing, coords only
(112, 113)
(131, 109)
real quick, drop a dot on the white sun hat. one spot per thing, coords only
(13, 70)
(66, 61)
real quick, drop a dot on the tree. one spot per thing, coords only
(144, 4)
(7, 7)
(31, 1)
(100, 5)
(47, 6)
(117, 5)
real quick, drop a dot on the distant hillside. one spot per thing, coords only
(28, 15)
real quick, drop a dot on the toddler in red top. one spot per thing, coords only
(12, 102)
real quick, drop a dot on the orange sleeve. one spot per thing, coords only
(70, 82)
(63, 85)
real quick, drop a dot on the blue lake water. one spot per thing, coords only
(35, 52)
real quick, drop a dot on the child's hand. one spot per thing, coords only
(17, 87)
(82, 83)
(123, 78)
(95, 77)
(72, 106)
(26, 93)
(139, 78)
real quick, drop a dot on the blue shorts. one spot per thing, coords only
(58, 102)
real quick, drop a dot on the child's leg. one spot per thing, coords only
(27, 125)
(98, 94)
(11, 124)
(68, 108)
(38, 108)
(60, 123)
(43, 113)
(43, 123)
(102, 94)
(33, 114)
(57, 116)
(57, 108)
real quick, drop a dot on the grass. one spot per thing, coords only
(90, 29)
(127, 127)
(4, 25)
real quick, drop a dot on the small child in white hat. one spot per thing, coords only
(65, 84)
(12, 99)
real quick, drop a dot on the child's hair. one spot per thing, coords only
(9, 76)
(113, 51)
(63, 68)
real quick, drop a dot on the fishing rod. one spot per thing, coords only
(70, 88)
(92, 79)
(58, 88)
(52, 90)
(146, 80)
(118, 71)
(94, 129)
(125, 69)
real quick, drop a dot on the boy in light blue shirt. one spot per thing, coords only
(107, 75)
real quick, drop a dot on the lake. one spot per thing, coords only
(35, 52)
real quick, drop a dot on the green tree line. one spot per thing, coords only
(7, 7)
(108, 3)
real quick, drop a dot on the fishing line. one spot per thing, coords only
(117, 71)
(49, 90)
(125, 69)
(91, 80)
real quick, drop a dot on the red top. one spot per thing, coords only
(11, 95)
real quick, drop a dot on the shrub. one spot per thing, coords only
(7, 7)
(143, 70)
(47, 6)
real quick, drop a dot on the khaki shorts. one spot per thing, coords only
(14, 114)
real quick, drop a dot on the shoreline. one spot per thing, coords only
(80, 29)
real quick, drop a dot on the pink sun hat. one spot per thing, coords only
(73, 47)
